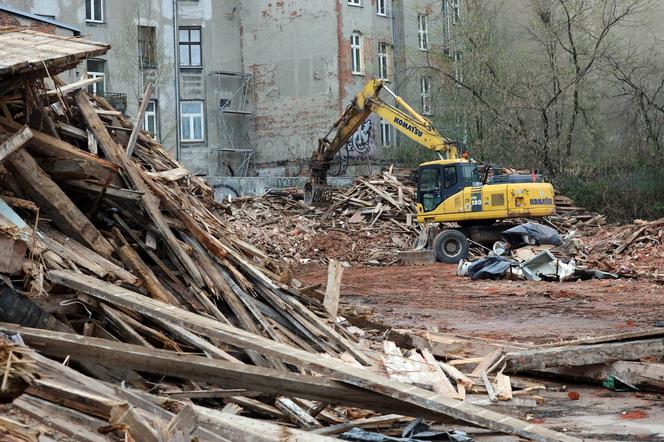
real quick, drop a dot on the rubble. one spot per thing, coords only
(368, 223)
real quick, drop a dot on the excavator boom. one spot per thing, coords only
(367, 101)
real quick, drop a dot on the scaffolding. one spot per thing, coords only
(235, 120)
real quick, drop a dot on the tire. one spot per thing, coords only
(451, 246)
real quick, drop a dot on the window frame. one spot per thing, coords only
(355, 3)
(356, 47)
(423, 31)
(386, 133)
(149, 62)
(93, 88)
(92, 10)
(189, 45)
(190, 117)
(155, 116)
(384, 61)
(382, 5)
(425, 94)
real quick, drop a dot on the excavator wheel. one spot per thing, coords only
(451, 246)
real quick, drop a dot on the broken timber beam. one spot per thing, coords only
(139, 120)
(578, 355)
(56, 203)
(335, 369)
(14, 142)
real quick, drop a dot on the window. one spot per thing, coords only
(190, 46)
(385, 133)
(192, 121)
(425, 88)
(383, 61)
(356, 53)
(150, 119)
(355, 2)
(455, 11)
(381, 8)
(423, 31)
(97, 69)
(449, 176)
(146, 47)
(94, 11)
(458, 71)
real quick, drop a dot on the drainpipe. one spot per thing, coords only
(176, 57)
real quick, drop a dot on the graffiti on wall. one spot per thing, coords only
(362, 145)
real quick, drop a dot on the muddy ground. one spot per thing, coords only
(433, 297)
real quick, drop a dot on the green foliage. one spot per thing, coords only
(623, 192)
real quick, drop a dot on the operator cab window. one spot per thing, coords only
(471, 177)
(429, 188)
(449, 176)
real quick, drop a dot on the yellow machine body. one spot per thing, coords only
(467, 201)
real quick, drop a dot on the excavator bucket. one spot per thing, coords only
(317, 194)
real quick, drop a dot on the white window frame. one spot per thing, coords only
(386, 133)
(152, 114)
(93, 11)
(382, 8)
(190, 117)
(425, 94)
(96, 74)
(456, 11)
(354, 2)
(356, 53)
(423, 31)
(458, 71)
(383, 61)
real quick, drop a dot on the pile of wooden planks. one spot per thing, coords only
(161, 322)
(367, 223)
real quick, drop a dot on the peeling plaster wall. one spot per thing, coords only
(291, 49)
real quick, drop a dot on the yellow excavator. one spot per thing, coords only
(449, 190)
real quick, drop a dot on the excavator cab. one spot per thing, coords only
(439, 181)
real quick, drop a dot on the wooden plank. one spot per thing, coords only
(56, 203)
(74, 424)
(578, 355)
(488, 362)
(629, 240)
(642, 375)
(192, 367)
(365, 422)
(443, 384)
(150, 281)
(111, 191)
(335, 272)
(243, 429)
(138, 122)
(59, 393)
(209, 393)
(14, 142)
(503, 387)
(113, 151)
(625, 336)
(134, 423)
(489, 387)
(333, 368)
(71, 87)
(296, 414)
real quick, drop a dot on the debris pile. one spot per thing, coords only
(368, 223)
(569, 216)
(163, 323)
(635, 250)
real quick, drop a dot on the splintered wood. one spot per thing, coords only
(368, 223)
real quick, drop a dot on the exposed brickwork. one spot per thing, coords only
(8, 20)
(42, 27)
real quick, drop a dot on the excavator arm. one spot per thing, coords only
(367, 101)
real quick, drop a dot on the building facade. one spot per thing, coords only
(247, 87)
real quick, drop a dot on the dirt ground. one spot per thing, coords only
(433, 297)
